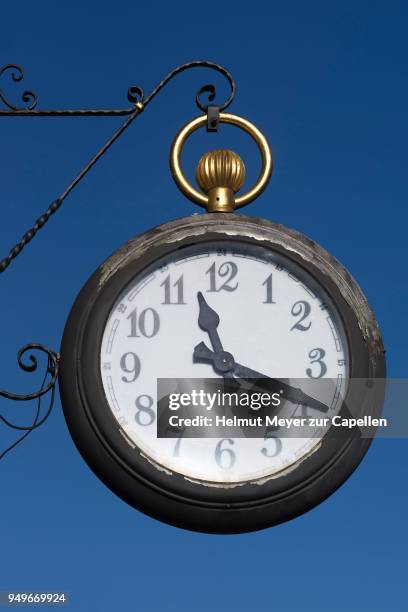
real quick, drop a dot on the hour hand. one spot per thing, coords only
(209, 320)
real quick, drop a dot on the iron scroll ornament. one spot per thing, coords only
(139, 102)
(135, 94)
(47, 386)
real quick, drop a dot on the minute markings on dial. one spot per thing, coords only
(267, 343)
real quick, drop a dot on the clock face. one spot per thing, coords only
(274, 318)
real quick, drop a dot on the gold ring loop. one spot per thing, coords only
(248, 127)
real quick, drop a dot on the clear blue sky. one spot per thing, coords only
(327, 83)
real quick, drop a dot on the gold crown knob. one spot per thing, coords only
(220, 174)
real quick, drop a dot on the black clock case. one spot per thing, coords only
(171, 497)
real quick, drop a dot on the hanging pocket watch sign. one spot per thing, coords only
(212, 306)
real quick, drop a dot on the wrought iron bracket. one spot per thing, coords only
(139, 102)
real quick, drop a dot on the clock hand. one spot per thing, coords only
(293, 394)
(222, 362)
(209, 320)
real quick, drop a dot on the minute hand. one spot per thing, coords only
(293, 394)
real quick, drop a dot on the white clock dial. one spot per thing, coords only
(274, 318)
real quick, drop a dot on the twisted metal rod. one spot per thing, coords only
(136, 96)
(139, 103)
